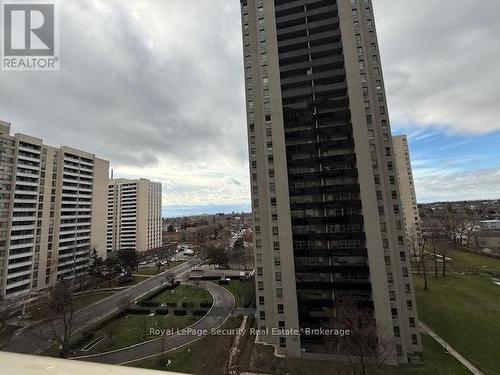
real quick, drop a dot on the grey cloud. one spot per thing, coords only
(131, 103)
(440, 62)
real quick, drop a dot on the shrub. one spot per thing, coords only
(150, 304)
(139, 311)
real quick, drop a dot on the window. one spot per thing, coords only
(278, 276)
(392, 295)
(397, 332)
(281, 309)
(387, 260)
(282, 342)
(410, 305)
(412, 322)
(414, 339)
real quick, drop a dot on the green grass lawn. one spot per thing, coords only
(132, 329)
(80, 302)
(184, 293)
(154, 270)
(476, 261)
(6, 333)
(206, 356)
(436, 362)
(465, 311)
(243, 292)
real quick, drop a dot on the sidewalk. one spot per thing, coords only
(473, 369)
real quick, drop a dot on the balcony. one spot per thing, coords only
(19, 364)
(28, 158)
(21, 224)
(29, 149)
(21, 255)
(20, 264)
(28, 201)
(23, 237)
(22, 246)
(12, 274)
(26, 282)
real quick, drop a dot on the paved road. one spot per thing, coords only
(473, 369)
(222, 308)
(35, 340)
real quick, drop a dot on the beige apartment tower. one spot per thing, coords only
(134, 215)
(407, 190)
(52, 213)
(329, 233)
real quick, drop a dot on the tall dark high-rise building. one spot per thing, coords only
(329, 232)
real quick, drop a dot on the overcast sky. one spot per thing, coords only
(156, 87)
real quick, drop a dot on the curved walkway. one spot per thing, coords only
(221, 310)
(473, 369)
(35, 340)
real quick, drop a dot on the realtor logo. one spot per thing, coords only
(30, 36)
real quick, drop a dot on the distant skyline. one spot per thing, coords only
(157, 88)
(181, 211)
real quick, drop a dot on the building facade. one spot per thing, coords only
(134, 215)
(407, 190)
(328, 225)
(52, 212)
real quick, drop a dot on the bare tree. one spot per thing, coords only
(419, 257)
(368, 347)
(62, 304)
(4, 316)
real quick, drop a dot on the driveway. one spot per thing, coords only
(35, 340)
(221, 310)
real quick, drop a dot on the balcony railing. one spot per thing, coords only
(32, 365)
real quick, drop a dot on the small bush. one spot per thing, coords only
(139, 311)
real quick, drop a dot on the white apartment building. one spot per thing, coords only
(407, 188)
(134, 215)
(52, 212)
